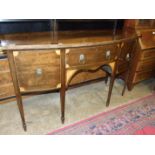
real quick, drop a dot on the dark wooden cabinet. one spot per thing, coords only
(39, 68)
(140, 23)
(143, 65)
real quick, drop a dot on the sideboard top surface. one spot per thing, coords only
(67, 39)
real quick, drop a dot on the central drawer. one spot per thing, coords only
(38, 70)
(90, 55)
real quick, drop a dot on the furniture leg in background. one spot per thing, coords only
(125, 82)
(16, 87)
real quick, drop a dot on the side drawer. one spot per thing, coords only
(139, 76)
(38, 70)
(27, 58)
(39, 77)
(90, 55)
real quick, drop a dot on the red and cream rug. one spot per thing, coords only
(134, 118)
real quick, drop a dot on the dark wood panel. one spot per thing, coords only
(147, 39)
(143, 63)
(146, 65)
(148, 54)
(139, 76)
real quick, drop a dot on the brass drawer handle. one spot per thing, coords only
(82, 58)
(38, 72)
(128, 57)
(108, 54)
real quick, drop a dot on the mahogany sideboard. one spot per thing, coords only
(25, 60)
(39, 68)
(69, 37)
(38, 64)
(143, 65)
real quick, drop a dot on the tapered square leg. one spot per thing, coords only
(106, 78)
(112, 79)
(62, 96)
(16, 87)
(63, 85)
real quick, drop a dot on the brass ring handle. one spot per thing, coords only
(108, 54)
(38, 71)
(127, 57)
(82, 58)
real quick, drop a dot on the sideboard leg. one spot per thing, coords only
(112, 79)
(16, 87)
(125, 82)
(106, 78)
(63, 85)
(21, 110)
(62, 95)
(130, 87)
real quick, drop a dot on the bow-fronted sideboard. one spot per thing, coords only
(45, 67)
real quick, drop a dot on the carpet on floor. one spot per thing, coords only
(133, 118)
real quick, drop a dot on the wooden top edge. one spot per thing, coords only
(62, 46)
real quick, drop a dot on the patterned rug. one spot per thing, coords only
(134, 118)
